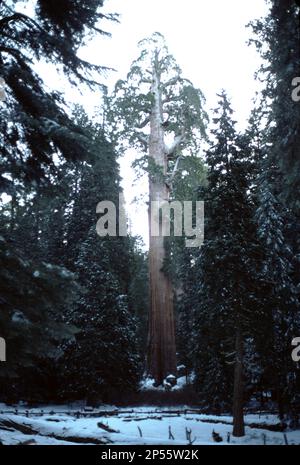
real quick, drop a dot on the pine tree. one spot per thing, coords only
(138, 290)
(94, 180)
(104, 359)
(34, 124)
(55, 232)
(226, 266)
(277, 40)
(190, 178)
(278, 271)
(32, 296)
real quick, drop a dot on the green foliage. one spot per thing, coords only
(104, 358)
(221, 281)
(190, 176)
(148, 165)
(34, 123)
(138, 291)
(62, 338)
(130, 106)
(32, 297)
(283, 299)
(277, 40)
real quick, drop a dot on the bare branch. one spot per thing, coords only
(105, 33)
(144, 140)
(176, 142)
(175, 169)
(171, 82)
(143, 123)
(146, 81)
(166, 100)
(169, 99)
(176, 166)
(166, 122)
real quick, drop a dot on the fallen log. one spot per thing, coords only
(277, 427)
(80, 440)
(106, 428)
(18, 427)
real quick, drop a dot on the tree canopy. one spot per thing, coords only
(35, 126)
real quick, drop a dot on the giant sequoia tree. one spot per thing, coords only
(160, 113)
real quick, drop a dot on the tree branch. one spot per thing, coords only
(169, 99)
(176, 142)
(146, 81)
(23, 18)
(166, 122)
(171, 82)
(8, 19)
(15, 53)
(175, 169)
(143, 123)
(144, 140)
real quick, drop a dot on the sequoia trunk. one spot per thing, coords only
(161, 336)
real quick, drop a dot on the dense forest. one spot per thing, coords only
(90, 316)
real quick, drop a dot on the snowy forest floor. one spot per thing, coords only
(62, 425)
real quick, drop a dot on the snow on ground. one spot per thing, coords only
(139, 425)
(148, 384)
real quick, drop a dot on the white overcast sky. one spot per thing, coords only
(208, 40)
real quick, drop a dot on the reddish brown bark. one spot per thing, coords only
(161, 337)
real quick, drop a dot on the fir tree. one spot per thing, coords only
(34, 124)
(277, 40)
(104, 359)
(278, 271)
(32, 296)
(227, 301)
